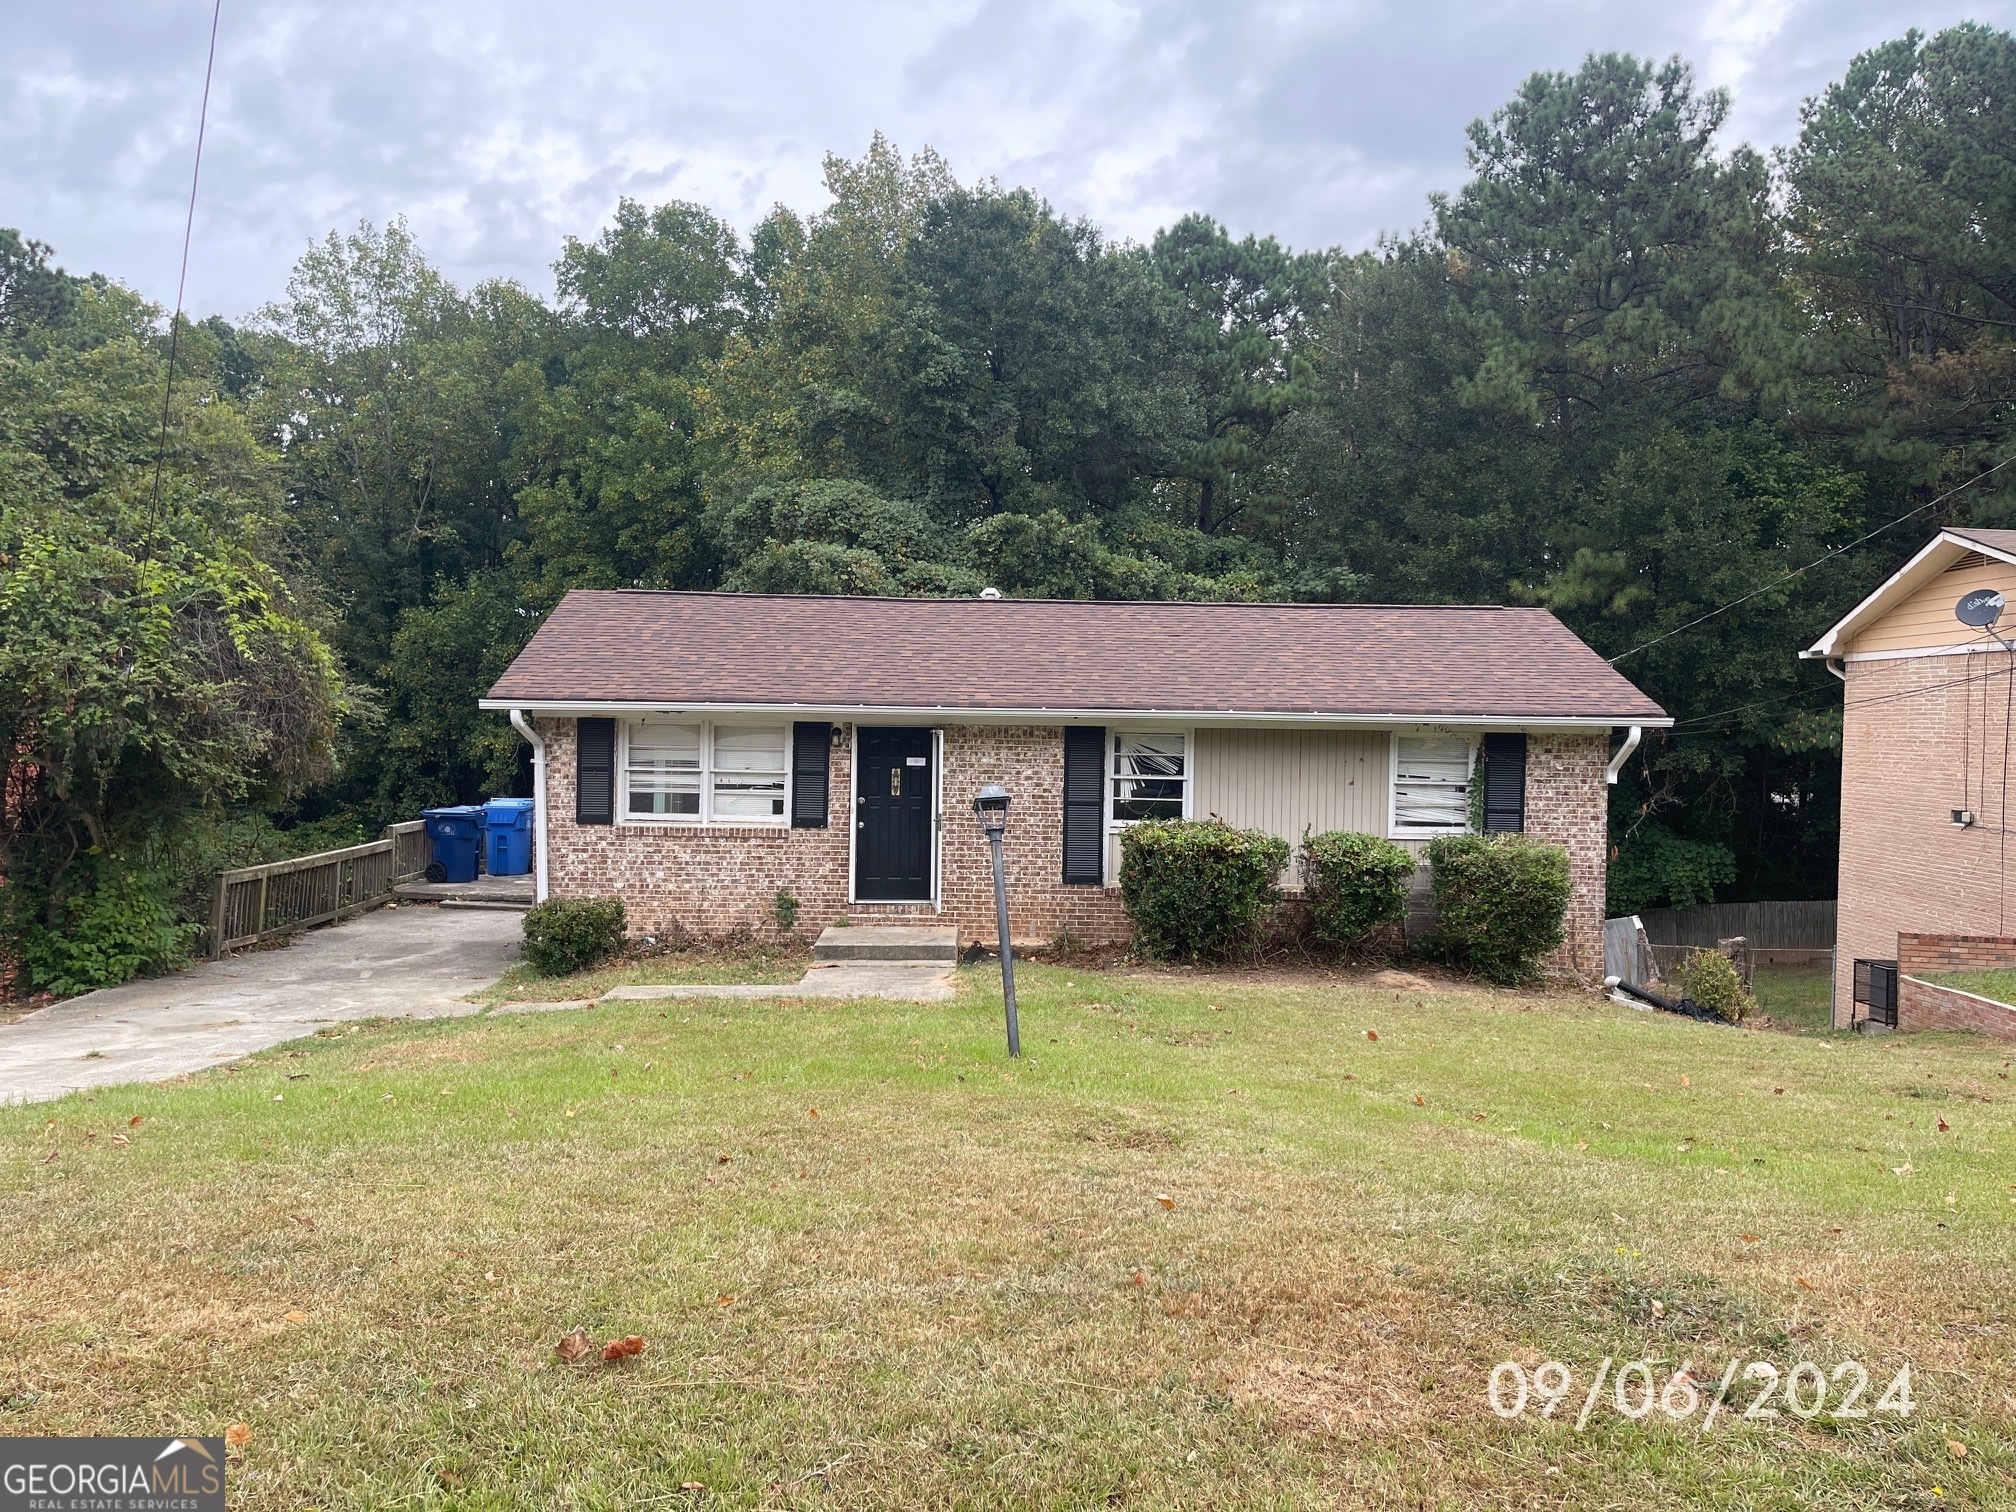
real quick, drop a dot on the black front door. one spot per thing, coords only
(892, 816)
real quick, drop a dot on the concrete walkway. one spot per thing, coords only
(896, 981)
(390, 963)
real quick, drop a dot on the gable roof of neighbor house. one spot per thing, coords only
(1947, 549)
(1064, 657)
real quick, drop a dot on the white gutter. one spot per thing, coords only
(1833, 664)
(1631, 738)
(524, 727)
(959, 714)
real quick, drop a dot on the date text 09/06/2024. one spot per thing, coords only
(1636, 1391)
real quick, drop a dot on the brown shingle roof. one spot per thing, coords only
(1035, 654)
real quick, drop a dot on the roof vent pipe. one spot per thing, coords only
(990, 593)
(1631, 738)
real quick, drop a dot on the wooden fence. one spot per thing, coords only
(254, 903)
(1767, 926)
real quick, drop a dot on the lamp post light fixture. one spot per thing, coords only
(991, 804)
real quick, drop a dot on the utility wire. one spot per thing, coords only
(1817, 561)
(181, 285)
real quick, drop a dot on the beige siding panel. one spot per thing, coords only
(1925, 620)
(1286, 782)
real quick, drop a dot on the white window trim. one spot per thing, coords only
(1393, 830)
(705, 818)
(1114, 826)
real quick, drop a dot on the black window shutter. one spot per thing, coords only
(1504, 784)
(595, 771)
(811, 748)
(1084, 805)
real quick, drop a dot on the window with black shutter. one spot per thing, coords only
(1504, 784)
(1084, 806)
(811, 763)
(595, 771)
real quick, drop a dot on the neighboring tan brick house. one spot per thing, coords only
(700, 754)
(1926, 780)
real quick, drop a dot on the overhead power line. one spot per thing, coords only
(181, 286)
(1701, 619)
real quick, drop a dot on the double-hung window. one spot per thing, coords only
(721, 774)
(1150, 775)
(1431, 785)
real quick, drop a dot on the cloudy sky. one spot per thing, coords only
(497, 127)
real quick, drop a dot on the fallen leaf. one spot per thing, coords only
(121, 1139)
(1805, 1283)
(1658, 1308)
(1748, 1238)
(1959, 1449)
(1581, 1144)
(238, 1435)
(623, 1348)
(1944, 1126)
(724, 1160)
(1686, 1081)
(1903, 1170)
(1420, 1101)
(279, 1097)
(726, 1299)
(692, 1485)
(1372, 1034)
(50, 1156)
(133, 1122)
(811, 1112)
(1166, 1201)
(489, 1275)
(1777, 1091)
(572, 1346)
(295, 1315)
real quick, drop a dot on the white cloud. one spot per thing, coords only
(499, 128)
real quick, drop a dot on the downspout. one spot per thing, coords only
(1631, 738)
(1833, 664)
(524, 727)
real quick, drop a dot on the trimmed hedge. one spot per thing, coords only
(1197, 887)
(1354, 884)
(1711, 979)
(1500, 901)
(572, 934)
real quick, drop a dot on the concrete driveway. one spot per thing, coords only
(389, 963)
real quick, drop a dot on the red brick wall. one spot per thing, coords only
(711, 881)
(708, 881)
(1905, 867)
(1568, 803)
(1926, 1005)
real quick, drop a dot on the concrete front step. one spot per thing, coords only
(887, 942)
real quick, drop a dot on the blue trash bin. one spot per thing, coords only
(457, 835)
(507, 839)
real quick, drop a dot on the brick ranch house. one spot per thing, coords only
(1925, 786)
(697, 754)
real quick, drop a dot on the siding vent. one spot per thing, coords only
(1971, 559)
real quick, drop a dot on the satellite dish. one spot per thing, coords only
(1981, 608)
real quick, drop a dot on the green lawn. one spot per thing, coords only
(749, 963)
(1795, 997)
(1209, 1244)
(1999, 985)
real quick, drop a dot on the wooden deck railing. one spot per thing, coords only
(254, 903)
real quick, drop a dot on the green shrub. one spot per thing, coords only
(1711, 979)
(1354, 884)
(572, 934)
(1197, 887)
(1500, 901)
(121, 924)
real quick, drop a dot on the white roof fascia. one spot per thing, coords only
(1921, 569)
(951, 714)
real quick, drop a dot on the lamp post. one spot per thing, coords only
(991, 805)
